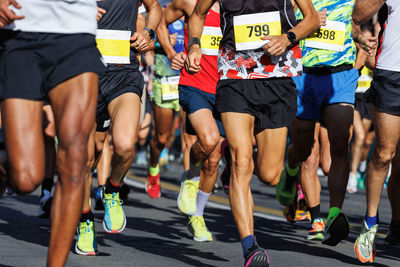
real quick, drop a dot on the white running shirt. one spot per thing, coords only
(56, 16)
(388, 57)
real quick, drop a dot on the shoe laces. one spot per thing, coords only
(86, 228)
(112, 203)
(367, 235)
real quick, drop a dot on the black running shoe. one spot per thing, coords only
(256, 257)
(336, 229)
(124, 191)
(226, 173)
(393, 236)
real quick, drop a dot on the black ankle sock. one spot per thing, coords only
(47, 184)
(315, 212)
(110, 188)
(87, 216)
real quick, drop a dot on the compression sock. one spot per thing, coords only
(154, 171)
(315, 212)
(247, 243)
(87, 215)
(292, 172)
(201, 202)
(111, 187)
(371, 221)
(333, 212)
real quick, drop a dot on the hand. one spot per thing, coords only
(7, 16)
(140, 40)
(368, 44)
(173, 38)
(100, 13)
(178, 60)
(277, 44)
(322, 17)
(192, 63)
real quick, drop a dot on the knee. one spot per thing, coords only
(311, 164)
(242, 163)
(161, 139)
(271, 176)
(124, 149)
(25, 182)
(383, 157)
(209, 143)
(360, 138)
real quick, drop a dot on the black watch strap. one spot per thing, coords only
(193, 41)
(291, 37)
(151, 33)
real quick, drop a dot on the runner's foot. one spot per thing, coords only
(336, 229)
(188, 195)
(114, 216)
(352, 183)
(317, 230)
(198, 228)
(364, 247)
(153, 187)
(86, 243)
(256, 257)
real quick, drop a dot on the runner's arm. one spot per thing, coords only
(365, 10)
(277, 45)
(195, 28)
(140, 40)
(170, 14)
(367, 43)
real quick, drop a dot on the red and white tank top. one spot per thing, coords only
(388, 56)
(206, 80)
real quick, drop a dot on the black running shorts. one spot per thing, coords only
(385, 91)
(31, 63)
(272, 101)
(118, 80)
(362, 106)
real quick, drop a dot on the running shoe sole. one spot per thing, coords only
(198, 239)
(360, 257)
(114, 231)
(317, 237)
(337, 231)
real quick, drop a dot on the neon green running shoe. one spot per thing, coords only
(198, 228)
(188, 196)
(86, 243)
(114, 216)
(286, 188)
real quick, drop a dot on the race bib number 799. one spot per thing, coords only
(250, 28)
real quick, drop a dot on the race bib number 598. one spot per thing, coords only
(250, 28)
(329, 37)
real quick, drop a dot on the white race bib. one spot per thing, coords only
(329, 37)
(169, 88)
(210, 39)
(114, 46)
(250, 28)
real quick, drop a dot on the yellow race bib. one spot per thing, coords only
(365, 80)
(114, 46)
(329, 37)
(169, 88)
(210, 39)
(250, 28)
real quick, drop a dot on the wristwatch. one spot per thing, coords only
(291, 37)
(193, 41)
(151, 33)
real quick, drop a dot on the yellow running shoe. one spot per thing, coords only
(188, 195)
(198, 228)
(114, 216)
(86, 243)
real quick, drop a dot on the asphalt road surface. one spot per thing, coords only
(156, 233)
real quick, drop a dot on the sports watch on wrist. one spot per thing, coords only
(193, 41)
(151, 33)
(291, 37)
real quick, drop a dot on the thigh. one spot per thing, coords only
(339, 119)
(239, 130)
(74, 105)
(23, 134)
(125, 113)
(271, 144)
(204, 124)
